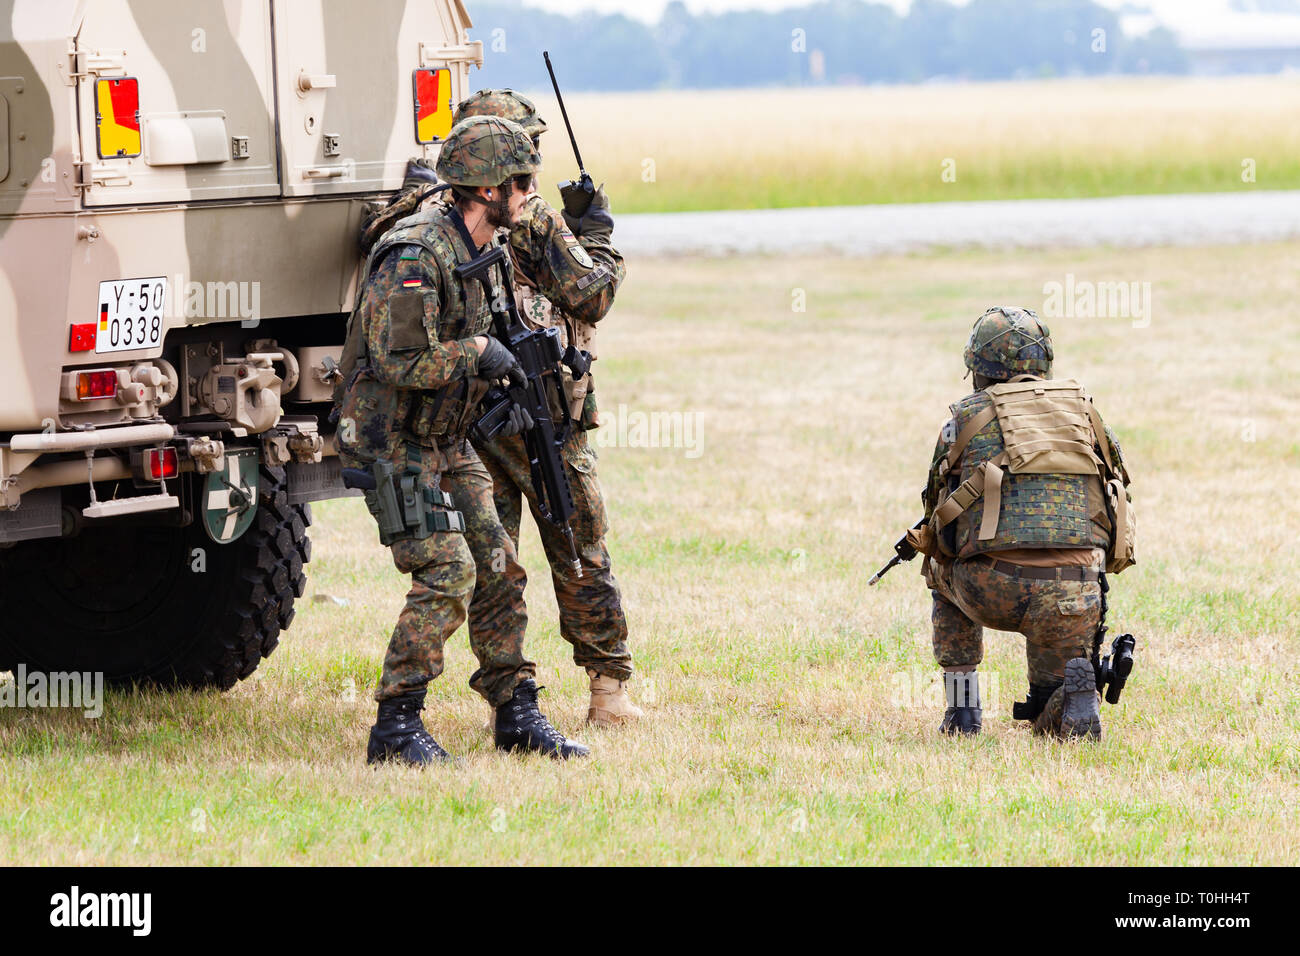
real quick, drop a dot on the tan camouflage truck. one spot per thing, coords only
(181, 184)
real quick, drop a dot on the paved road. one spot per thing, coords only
(1189, 219)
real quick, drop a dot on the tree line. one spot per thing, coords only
(828, 42)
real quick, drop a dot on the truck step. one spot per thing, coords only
(130, 506)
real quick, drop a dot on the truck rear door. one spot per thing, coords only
(176, 101)
(363, 87)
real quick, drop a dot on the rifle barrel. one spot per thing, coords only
(883, 571)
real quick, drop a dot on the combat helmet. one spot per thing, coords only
(1006, 342)
(486, 151)
(506, 104)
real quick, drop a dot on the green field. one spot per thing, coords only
(674, 151)
(792, 712)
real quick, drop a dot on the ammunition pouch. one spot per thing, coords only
(447, 414)
(403, 510)
(371, 417)
(434, 413)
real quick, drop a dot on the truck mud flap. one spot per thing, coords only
(39, 516)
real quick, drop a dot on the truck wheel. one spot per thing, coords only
(157, 604)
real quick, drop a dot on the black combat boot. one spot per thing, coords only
(399, 734)
(1081, 715)
(964, 714)
(1034, 703)
(521, 726)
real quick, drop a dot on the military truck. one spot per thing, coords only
(181, 187)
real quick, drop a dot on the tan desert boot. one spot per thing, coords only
(610, 705)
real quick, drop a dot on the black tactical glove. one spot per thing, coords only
(418, 172)
(496, 360)
(519, 421)
(596, 222)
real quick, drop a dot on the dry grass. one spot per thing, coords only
(792, 711)
(844, 146)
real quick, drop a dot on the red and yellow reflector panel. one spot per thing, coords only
(432, 105)
(117, 116)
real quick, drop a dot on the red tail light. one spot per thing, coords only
(81, 338)
(160, 463)
(93, 385)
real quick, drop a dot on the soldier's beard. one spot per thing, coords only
(497, 211)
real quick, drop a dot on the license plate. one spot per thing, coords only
(130, 314)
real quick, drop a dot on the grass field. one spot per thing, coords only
(844, 146)
(792, 712)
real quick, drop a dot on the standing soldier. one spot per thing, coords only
(417, 362)
(1018, 528)
(568, 273)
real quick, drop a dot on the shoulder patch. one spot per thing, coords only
(580, 255)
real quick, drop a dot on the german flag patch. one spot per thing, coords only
(411, 283)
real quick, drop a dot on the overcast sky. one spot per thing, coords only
(1173, 12)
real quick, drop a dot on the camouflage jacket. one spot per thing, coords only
(565, 282)
(418, 323)
(1042, 501)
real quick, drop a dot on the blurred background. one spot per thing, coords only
(748, 104)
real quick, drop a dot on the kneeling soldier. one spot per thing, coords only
(1019, 520)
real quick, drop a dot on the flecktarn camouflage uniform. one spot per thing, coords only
(409, 406)
(558, 272)
(415, 373)
(1035, 570)
(420, 322)
(567, 282)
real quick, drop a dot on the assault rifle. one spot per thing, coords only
(903, 551)
(533, 387)
(576, 195)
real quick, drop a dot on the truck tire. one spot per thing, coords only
(157, 605)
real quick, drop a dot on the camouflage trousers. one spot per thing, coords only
(447, 570)
(1057, 618)
(591, 610)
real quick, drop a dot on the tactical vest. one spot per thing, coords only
(1026, 448)
(383, 416)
